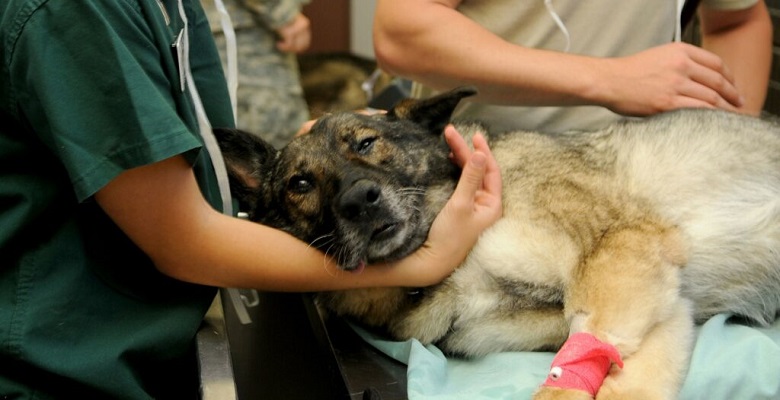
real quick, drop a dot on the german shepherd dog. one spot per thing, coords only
(631, 233)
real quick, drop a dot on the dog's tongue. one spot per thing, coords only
(361, 266)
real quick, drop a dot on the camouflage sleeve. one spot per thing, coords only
(274, 13)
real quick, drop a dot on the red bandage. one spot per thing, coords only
(582, 363)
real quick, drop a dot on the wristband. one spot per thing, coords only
(582, 363)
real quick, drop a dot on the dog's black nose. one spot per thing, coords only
(360, 200)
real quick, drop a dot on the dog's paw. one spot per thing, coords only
(554, 393)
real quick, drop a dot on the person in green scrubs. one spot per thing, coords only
(111, 242)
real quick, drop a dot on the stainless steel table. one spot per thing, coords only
(290, 351)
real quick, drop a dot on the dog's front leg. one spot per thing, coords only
(623, 304)
(656, 370)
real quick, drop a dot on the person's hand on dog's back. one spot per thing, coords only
(425, 41)
(668, 77)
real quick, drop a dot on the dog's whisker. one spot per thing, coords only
(325, 260)
(342, 258)
(328, 238)
(414, 190)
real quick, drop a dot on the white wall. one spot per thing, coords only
(361, 18)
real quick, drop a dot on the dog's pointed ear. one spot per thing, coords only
(245, 155)
(433, 113)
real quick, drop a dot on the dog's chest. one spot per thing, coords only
(500, 286)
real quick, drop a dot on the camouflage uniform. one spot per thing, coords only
(270, 98)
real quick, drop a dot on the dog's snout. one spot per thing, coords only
(360, 200)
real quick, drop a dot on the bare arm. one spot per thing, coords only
(427, 40)
(743, 39)
(159, 206)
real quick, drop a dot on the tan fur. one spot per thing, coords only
(570, 222)
(375, 304)
(631, 233)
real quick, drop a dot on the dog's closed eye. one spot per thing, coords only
(365, 145)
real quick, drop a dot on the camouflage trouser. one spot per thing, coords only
(270, 98)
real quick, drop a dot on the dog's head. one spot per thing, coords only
(361, 188)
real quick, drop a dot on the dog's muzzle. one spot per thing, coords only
(361, 200)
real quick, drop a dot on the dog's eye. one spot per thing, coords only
(365, 145)
(300, 184)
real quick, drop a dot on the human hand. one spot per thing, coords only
(474, 206)
(295, 37)
(477, 197)
(676, 75)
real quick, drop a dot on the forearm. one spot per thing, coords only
(159, 206)
(161, 209)
(431, 42)
(229, 252)
(236, 253)
(434, 44)
(745, 45)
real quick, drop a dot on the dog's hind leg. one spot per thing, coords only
(623, 302)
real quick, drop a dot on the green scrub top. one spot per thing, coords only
(89, 89)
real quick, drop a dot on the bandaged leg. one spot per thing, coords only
(582, 364)
(620, 295)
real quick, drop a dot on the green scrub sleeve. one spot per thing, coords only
(101, 102)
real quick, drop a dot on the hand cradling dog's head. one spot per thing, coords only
(360, 188)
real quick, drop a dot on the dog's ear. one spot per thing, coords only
(245, 155)
(433, 113)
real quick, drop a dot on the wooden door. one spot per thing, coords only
(329, 25)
